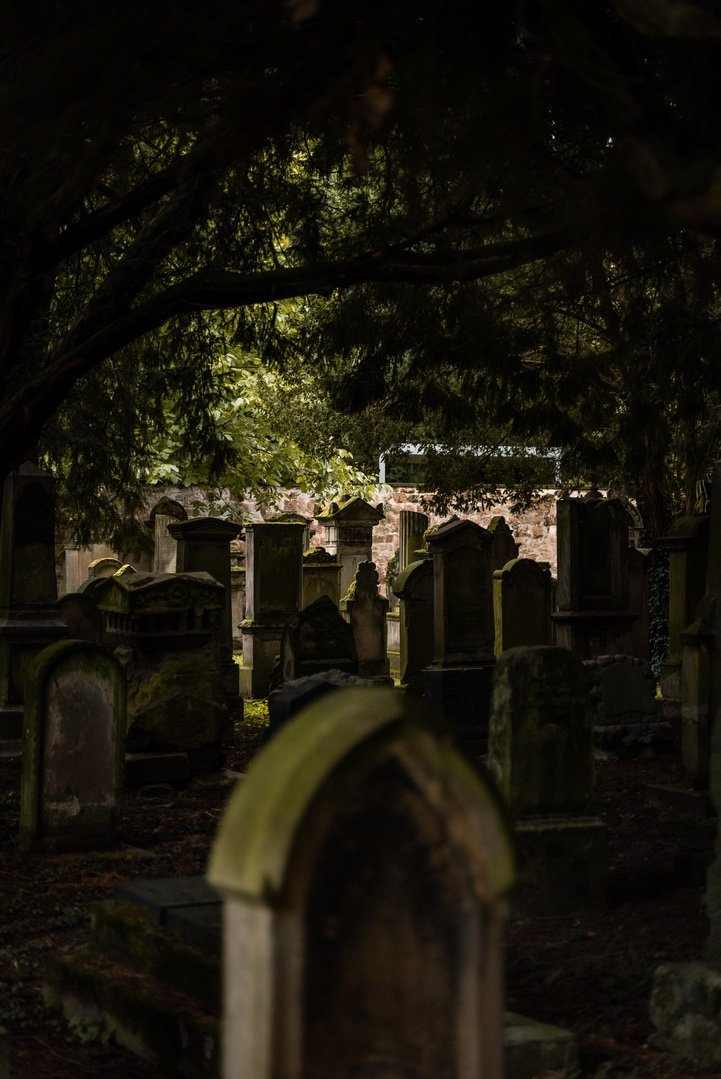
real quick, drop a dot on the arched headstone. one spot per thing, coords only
(363, 865)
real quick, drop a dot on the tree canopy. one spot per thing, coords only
(163, 163)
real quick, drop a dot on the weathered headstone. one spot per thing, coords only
(292, 697)
(165, 548)
(627, 715)
(640, 564)
(162, 629)
(274, 590)
(79, 612)
(321, 576)
(697, 654)
(203, 545)
(458, 681)
(414, 589)
(348, 525)
(317, 639)
(593, 616)
(685, 996)
(412, 527)
(687, 547)
(541, 756)
(522, 604)
(363, 866)
(29, 619)
(103, 567)
(504, 548)
(366, 610)
(73, 753)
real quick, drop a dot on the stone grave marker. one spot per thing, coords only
(274, 590)
(522, 604)
(165, 547)
(73, 754)
(349, 524)
(317, 639)
(504, 548)
(687, 548)
(203, 546)
(366, 610)
(29, 618)
(641, 564)
(593, 616)
(458, 681)
(79, 612)
(292, 697)
(363, 865)
(414, 589)
(321, 576)
(412, 527)
(540, 754)
(627, 715)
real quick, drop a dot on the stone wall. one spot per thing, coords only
(534, 530)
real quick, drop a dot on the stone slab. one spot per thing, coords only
(163, 895)
(461, 697)
(142, 768)
(532, 1049)
(200, 924)
(682, 801)
(562, 865)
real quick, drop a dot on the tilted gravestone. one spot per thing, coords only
(522, 604)
(414, 588)
(366, 610)
(73, 753)
(363, 866)
(317, 639)
(540, 753)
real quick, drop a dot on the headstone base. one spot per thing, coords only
(143, 768)
(461, 698)
(562, 865)
(686, 1011)
(261, 648)
(533, 1048)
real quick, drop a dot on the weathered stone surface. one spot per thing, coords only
(366, 610)
(74, 720)
(338, 822)
(317, 639)
(562, 865)
(180, 705)
(348, 523)
(540, 739)
(414, 588)
(522, 604)
(294, 696)
(686, 1011)
(504, 548)
(536, 1049)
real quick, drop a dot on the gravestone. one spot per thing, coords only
(317, 639)
(274, 590)
(162, 629)
(627, 715)
(697, 655)
(75, 568)
(165, 548)
(292, 697)
(414, 589)
(504, 548)
(366, 611)
(29, 620)
(540, 754)
(593, 616)
(203, 546)
(321, 576)
(458, 681)
(412, 527)
(641, 562)
(349, 524)
(73, 753)
(103, 567)
(522, 604)
(363, 866)
(685, 996)
(79, 612)
(687, 548)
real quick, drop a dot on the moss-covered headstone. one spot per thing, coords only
(363, 866)
(73, 753)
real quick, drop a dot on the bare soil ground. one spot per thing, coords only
(590, 973)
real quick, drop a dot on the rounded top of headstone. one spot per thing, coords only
(205, 528)
(259, 827)
(168, 507)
